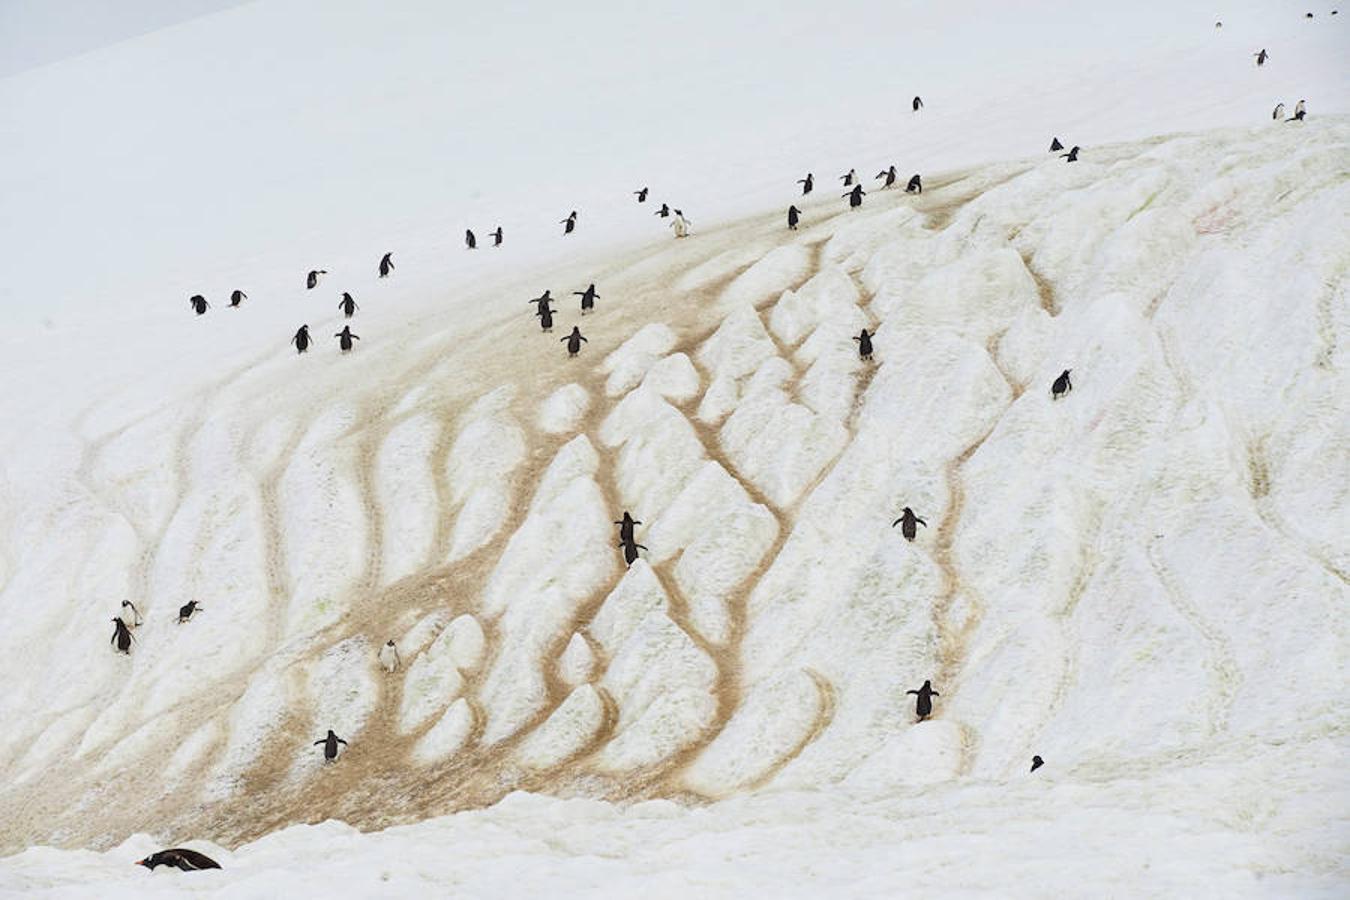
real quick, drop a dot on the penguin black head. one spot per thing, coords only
(389, 643)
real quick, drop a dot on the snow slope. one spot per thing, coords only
(1143, 582)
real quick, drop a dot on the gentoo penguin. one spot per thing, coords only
(808, 183)
(574, 341)
(907, 522)
(889, 175)
(179, 858)
(1278, 114)
(312, 279)
(569, 223)
(588, 298)
(386, 265)
(541, 302)
(794, 215)
(923, 707)
(470, 241)
(626, 526)
(680, 224)
(849, 178)
(329, 745)
(301, 339)
(663, 212)
(130, 615)
(915, 185)
(630, 551)
(121, 636)
(186, 610)
(641, 195)
(1061, 386)
(389, 657)
(1299, 112)
(345, 338)
(1056, 146)
(497, 237)
(1036, 763)
(918, 103)
(864, 339)
(1261, 57)
(237, 297)
(545, 318)
(347, 305)
(199, 304)
(1307, 15)
(1072, 155)
(855, 196)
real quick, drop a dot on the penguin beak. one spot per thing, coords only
(139, 862)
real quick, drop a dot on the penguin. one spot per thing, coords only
(663, 212)
(794, 215)
(186, 610)
(1299, 112)
(1072, 155)
(641, 195)
(345, 338)
(130, 615)
(121, 636)
(386, 265)
(923, 707)
(312, 279)
(179, 858)
(630, 551)
(626, 526)
(1307, 15)
(497, 237)
(347, 305)
(855, 196)
(588, 298)
(915, 185)
(470, 241)
(541, 302)
(849, 178)
(237, 297)
(1061, 386)
(199, 304)
(389, 657)
(1036, 763)
(681, 225)
(907, 521)
(574, 341)
(889, 175)
(1278, 113)
(808, 183)
(569, 223)
(301, 339)
(864, 339)
(918, 103)
(1056, 146)
(545, 318)
(329, 745)
(1261, 57)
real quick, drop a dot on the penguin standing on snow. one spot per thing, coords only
(923, 706)
(199, 304)
(541, 303)
(808, 183)
(574, 341)
(1061, 386)
(918, 103)
(345, 338)
(386, 265)
(1036, 763)
(849, 178)
(794, 214)
(186, 610)
(915, 185)
(663, 212)
(121, 636)
(237, 297)
(1299, 112)
(1072, 155)
(907, 521)
(889, 175)
(301, 339)
(330, 745)
(470, 241)
(588, 298)
(569, 223)
(347, 305)
(180, 858)
(389, 657)
(545, 318)
(681, 225)
(312, 279)
(1261, 57)
(855, 196)
(1278, 113)
(641, 195)
(864, 339)
(626, 526)
(1056, 146)
(497, 237)
(630, 550)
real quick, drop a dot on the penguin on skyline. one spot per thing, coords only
(574, 341)
(497, 237)
(907, 521)
(1056, 146)
(312, 279)
(180, 858)
(186, 610)
(347, 305)
(330, 748)
(199, 304)
(808, 183)
(889, 175)
(569, 223)
(641, 195)
(386, 265)
(345, 338)
(663, 212)
(237, 297)
(923, 706)
(850, 177)
(794, 215)
(389, 657)
(588, 298)
(470, 241)
(301, 340)
(121, 636)
(855, 196)
(1072, 155)
(1061, 386)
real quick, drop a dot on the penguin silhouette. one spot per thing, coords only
(470, 241)
(541, 302)
(918, 103)
(130, 615)
(312, 279)
(923, 706)
(345, 338)
(497, 237)
(915, 185)
(794, 215)
(855, 196)
(850, 177)
(1072, 155)
(386, 265)
(347, 305)
(389, 657)
(180, 858)
(663, 212)
(237, 297)
(301, 339)
(1261, 57)
(864, 339)
(574, 341)
(630, 551)
(545, 318)
(330, 743)
(588, 298)
(808, 183)
(121, 636)
(1061, 386)
(1036, 763)
(199, 304)
(907, 522)
(569, 223)
(1056, 146)
(889, 175)
(1299, 112)
(641, 195)
(626, 527)
(186, 610)
(1278, 113)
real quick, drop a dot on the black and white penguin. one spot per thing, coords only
(1036, 763)
(663, 212)
(1261, 57)
(889, 175)
(1061, 386)
(630, 551)
(855, 196)
(569, 223)
(1056, 146)
(680, 224)
(237, 297)
(794, 215)
(907, 521)
(1072, 155)
(312, 279)
(808, 183)
(923, 707)
(199, 304)
(497, 237)
(330, 743)
(1299, 112)
(347, 305)
(850, 177)
(915, 185)
(641, 195)
(386, 265)
(389, 660)
(345, 338)
(121, 636)
(301, 339)
(864, 339)
(186, 610)
(179, 858)
(130, 615)
(545, 318)
(541, 302)
(918, 103)
(1278, 113)
(588, 298)
(626, 526)
(470, 241)
(574, 341)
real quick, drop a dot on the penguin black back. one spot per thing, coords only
(301, 339)
(237, 297)
(469, 240)
(386, 265)
(1061, 386)
(1036, 763)
(330, 745)
(186, 610)
(794, 216)
(121, 636)
(179, 858)
(199, 304)
(923, 704)
(1056, 146)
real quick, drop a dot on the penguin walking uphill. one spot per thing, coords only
(545, 318)
(680, 224)
(889, 175)
(923, 705)
(588, 298)
(301, 339)
(864, 339)
(1071, 156)
(389, 660)
(630, 549)
(855, 196)
(808, 183)
(907, 521)
(663, 212)
(849, 177)
(330, 742)
(918, 103)
(199, 304)
(794, 216)
(574, 341)
(180, 858)
(1056, 146)
(1061, 386)
(237, 297)
(497, 237)
(915, 185)
(186, 610)
(641, 195)
(1299, 112)
(386, 265)
(121, 636)
(312, 279)
(626, 526)
(347, 305)
(1036, 763)
(1261, 57)
(345, 338)
(542, 302)
(470, 242)
(569, 224)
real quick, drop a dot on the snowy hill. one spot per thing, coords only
(1143, 582)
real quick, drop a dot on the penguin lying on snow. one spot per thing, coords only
(330, 743)
(179, 858)
(923, 706)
